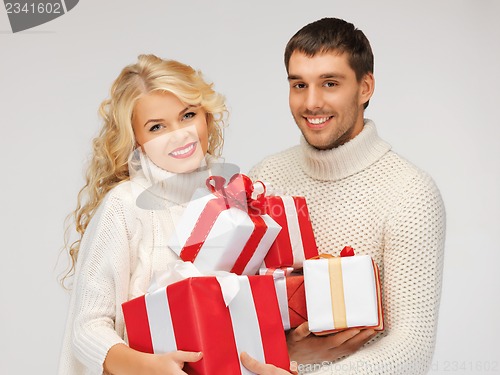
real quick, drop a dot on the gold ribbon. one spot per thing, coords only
(337, 292)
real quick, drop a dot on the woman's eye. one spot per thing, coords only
(188, 115)
(155, 128)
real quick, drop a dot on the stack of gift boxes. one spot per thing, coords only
(250, 270)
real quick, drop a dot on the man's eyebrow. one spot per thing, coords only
(332, 75)
(294, 77)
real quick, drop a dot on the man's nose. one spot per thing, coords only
(314, 99)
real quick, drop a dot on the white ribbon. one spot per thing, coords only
(281, 292)
(294, 231)
(160, 322)
(175, 271)
(245, 323)
(229, 285)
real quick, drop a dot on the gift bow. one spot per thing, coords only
(180, 270)
(347, 251)
(238, 193)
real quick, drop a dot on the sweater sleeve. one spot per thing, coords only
(412, 268)
(101, 283)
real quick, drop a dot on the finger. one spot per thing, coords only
(353, 344)
(341, 337)
(300, 333)
(251, 363)
(364, 336)
(259, 367)
(369, 332)
(182, 356)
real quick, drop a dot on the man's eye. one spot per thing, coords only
(188, 115)
(330, 84)
(299, 85)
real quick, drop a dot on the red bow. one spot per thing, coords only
(347, 252)
(238, 193)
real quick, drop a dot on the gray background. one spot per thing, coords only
(437, 90)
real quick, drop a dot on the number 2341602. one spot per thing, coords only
(38, 8)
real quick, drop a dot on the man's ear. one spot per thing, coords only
(366, 88)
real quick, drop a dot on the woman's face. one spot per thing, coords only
(173, 135)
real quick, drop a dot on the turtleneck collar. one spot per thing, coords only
(161, 185)
(343, 161)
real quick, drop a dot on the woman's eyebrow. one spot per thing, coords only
(154, 120)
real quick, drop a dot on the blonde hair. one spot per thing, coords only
(112, 147)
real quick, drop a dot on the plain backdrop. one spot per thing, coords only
(437, 93)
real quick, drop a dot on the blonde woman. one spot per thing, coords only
(161, 133)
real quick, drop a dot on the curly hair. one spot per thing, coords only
(112, 147)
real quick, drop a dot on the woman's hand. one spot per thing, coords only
(260, 368)
(122, 360)
(171, 363)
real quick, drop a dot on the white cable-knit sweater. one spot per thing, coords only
(364, 195)
(124, 244)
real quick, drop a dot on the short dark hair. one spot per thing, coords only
(333, 34)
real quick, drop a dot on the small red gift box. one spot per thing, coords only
(295, 242)
(196, 315)
(291, 296)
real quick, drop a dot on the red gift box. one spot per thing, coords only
(192, 315)
(291, 296)
(295, 242)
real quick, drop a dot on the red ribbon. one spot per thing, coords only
(238, 193)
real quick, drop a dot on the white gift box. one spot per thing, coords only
(342, 292)
(230, 232)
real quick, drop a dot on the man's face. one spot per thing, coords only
(326, 99)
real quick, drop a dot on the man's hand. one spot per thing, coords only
(305, 347)
(260, 368)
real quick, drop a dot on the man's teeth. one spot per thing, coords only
(183, 151)
(317, 121)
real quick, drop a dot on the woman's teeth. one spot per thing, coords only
(183, 151)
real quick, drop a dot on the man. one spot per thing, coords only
(361, 194)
